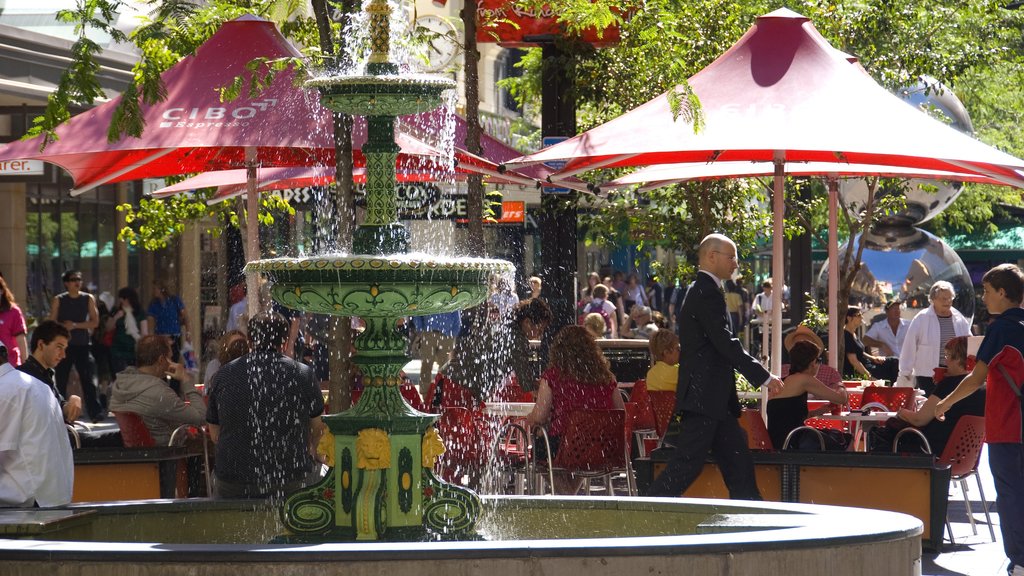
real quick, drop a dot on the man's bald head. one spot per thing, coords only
(712, 243)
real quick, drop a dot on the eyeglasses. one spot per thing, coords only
(729, 256)
(73, 280)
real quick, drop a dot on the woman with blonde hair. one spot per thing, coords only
(664, 374)
(578, 377)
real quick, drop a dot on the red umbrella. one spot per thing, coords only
(782, 94)
(231, 183)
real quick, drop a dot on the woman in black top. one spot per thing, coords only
(938, 431)
(788, 410)
(857, 363)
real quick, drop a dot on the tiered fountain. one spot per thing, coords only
(381, 485)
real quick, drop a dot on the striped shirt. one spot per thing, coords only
(946, 333)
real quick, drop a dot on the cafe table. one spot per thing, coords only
(860, 422)
(508, 409)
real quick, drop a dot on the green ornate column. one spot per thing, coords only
(381, 484)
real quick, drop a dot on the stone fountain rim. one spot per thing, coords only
(371, 262)
(858, 526)
(431, 80)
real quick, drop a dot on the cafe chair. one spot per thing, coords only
(412, 396)
(593, 446)
(465, 439)
(74, 438)
(962, 454)
(664, 405)
(641, 424)
(910, 431)
(891, 398)
(803, 430)
(757, 432)
(134, 433)
(510, 460)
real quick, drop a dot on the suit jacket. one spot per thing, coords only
(710, 355)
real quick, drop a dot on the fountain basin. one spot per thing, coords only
(382, 95)
(524, 535)
(368, 285)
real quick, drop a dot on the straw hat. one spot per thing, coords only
(802, 333)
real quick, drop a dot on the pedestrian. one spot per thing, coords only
(49, 344)
(536, 284)
(128, 325)
(926, 338)
(12, 326)
(707, 403)
(36, 464)
(167, 317)
(1000, 367)
(264, 415)
(433, 340)
(77, 311)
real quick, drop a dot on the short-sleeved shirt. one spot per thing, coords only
(568, 395)
(262, 403)
(663, 377)
(881, 331)
(12, 324)
(1004, 346)
(168, 315)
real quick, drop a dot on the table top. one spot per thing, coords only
(859, 417)
(508, 408)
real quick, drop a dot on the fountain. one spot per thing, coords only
(381, 485)
(373, 512)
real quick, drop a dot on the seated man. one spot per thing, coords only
(145, 391)
(49, 341)
(36, 466)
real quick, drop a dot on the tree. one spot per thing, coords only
(896, 41)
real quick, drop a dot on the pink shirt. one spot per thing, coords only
(568, 395)
(12, 323)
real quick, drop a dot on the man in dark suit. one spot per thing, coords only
(707, 405)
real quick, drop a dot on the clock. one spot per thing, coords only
(441, 41)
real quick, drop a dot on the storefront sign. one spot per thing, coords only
(297, 197)
(22, 168)
(510, 26)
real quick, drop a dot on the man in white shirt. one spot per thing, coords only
(36, 465)
(887, 334)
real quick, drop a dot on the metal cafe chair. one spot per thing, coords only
(593, 446)
(962, 453)
(757, 432)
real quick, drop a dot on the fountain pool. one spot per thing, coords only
(521, 535)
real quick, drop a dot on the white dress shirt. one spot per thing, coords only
(36, 465)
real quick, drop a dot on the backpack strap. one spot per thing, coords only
(1009, 379)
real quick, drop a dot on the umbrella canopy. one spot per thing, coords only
(231, 183)
(782, 92)
(191, 130)
(664, 174)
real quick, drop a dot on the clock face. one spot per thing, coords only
(441, 42)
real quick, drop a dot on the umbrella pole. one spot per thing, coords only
(833, 272)
(778, 276)
(252, 232)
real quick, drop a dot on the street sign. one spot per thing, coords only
(554, 164)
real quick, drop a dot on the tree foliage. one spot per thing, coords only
(973, 47)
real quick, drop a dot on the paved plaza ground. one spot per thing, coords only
(971, 555)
